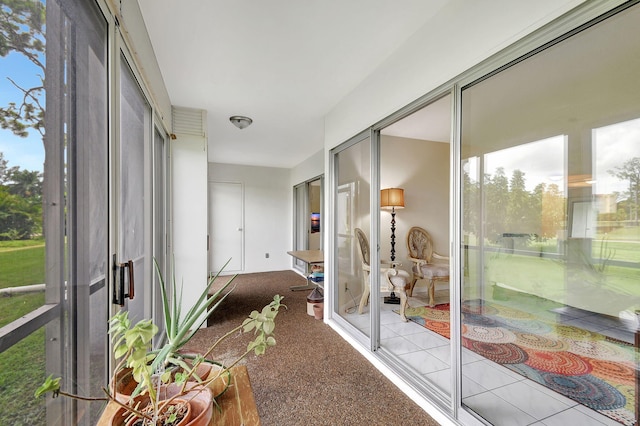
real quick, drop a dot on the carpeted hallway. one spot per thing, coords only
(312, 376)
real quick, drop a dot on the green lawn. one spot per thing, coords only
(21, 264)
(21, 366)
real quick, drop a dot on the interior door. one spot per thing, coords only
(226, 229)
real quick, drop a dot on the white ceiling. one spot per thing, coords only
(431, 123)
(284, 63)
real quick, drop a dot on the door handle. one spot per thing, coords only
(118, 287)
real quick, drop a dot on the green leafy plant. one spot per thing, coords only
(132, 345)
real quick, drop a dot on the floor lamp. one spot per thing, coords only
(392, 198)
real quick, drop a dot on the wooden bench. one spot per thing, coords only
(237, 404)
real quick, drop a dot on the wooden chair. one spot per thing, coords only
(427, 264)
(391, 279)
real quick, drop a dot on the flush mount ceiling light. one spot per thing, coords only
(240, 121)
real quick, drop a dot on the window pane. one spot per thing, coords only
(22, 100)
(135, 141)
(22, 368)
(414, 156)
(352, 211)
(551, 160)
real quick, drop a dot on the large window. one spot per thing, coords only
(54, 210)
(63, 177)
(550, 297)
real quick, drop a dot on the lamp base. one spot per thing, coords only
(392, 299)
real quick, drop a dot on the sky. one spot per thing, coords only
(545, 161)
(27, 153)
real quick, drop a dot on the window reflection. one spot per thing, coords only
(551, 178)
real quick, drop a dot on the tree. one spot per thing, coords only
(496, 201)
(5, 171)
(470, 203)
(26, 184)
(16, 217)
(518, 204)
(22, 31)
(630, 171)
(553, 211)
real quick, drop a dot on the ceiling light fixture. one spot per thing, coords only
(240, 121)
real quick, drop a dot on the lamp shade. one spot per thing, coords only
(392, 197)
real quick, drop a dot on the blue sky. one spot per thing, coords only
(27, 153)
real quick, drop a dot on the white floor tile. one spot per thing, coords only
(443, 353)
(596, 416)
(498, 411)
(471, 387)
(399, 345)
(530, 400)
(441, 379)
(428, 340)
(571, 417)
(423, 363)
(488, 375)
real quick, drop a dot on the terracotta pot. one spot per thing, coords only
(125, 385)
(214, 373)
(217, 377)
(186, 419)
(199, 398)
(318, 311)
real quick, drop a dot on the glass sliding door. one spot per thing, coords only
(551, 239)
(352, 212)
(54, 209)
(415, 157)
(160, 222)
(308, 229)
(300, 227)
(133, 224)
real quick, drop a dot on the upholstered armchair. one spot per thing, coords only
(427, 264)
(391, 279)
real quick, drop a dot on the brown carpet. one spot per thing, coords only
(312, 376)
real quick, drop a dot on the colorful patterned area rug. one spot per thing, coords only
(589, 368)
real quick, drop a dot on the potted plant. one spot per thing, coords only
(171, 386)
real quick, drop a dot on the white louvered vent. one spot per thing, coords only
(188, 121)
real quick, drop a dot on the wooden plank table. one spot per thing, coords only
(310, 257)
(237, 404)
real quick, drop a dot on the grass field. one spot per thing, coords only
(21, 366)
(21, 264)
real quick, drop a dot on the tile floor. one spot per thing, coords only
(501, 396)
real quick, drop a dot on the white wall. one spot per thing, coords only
(308, 169)
(421, 168)
(189, 188)
(268, 201)
(463, 34)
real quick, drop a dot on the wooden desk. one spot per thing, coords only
(310, 257)
(237, 404)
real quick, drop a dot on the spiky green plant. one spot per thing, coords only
(132, 345)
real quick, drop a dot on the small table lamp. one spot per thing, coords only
(392, 198)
